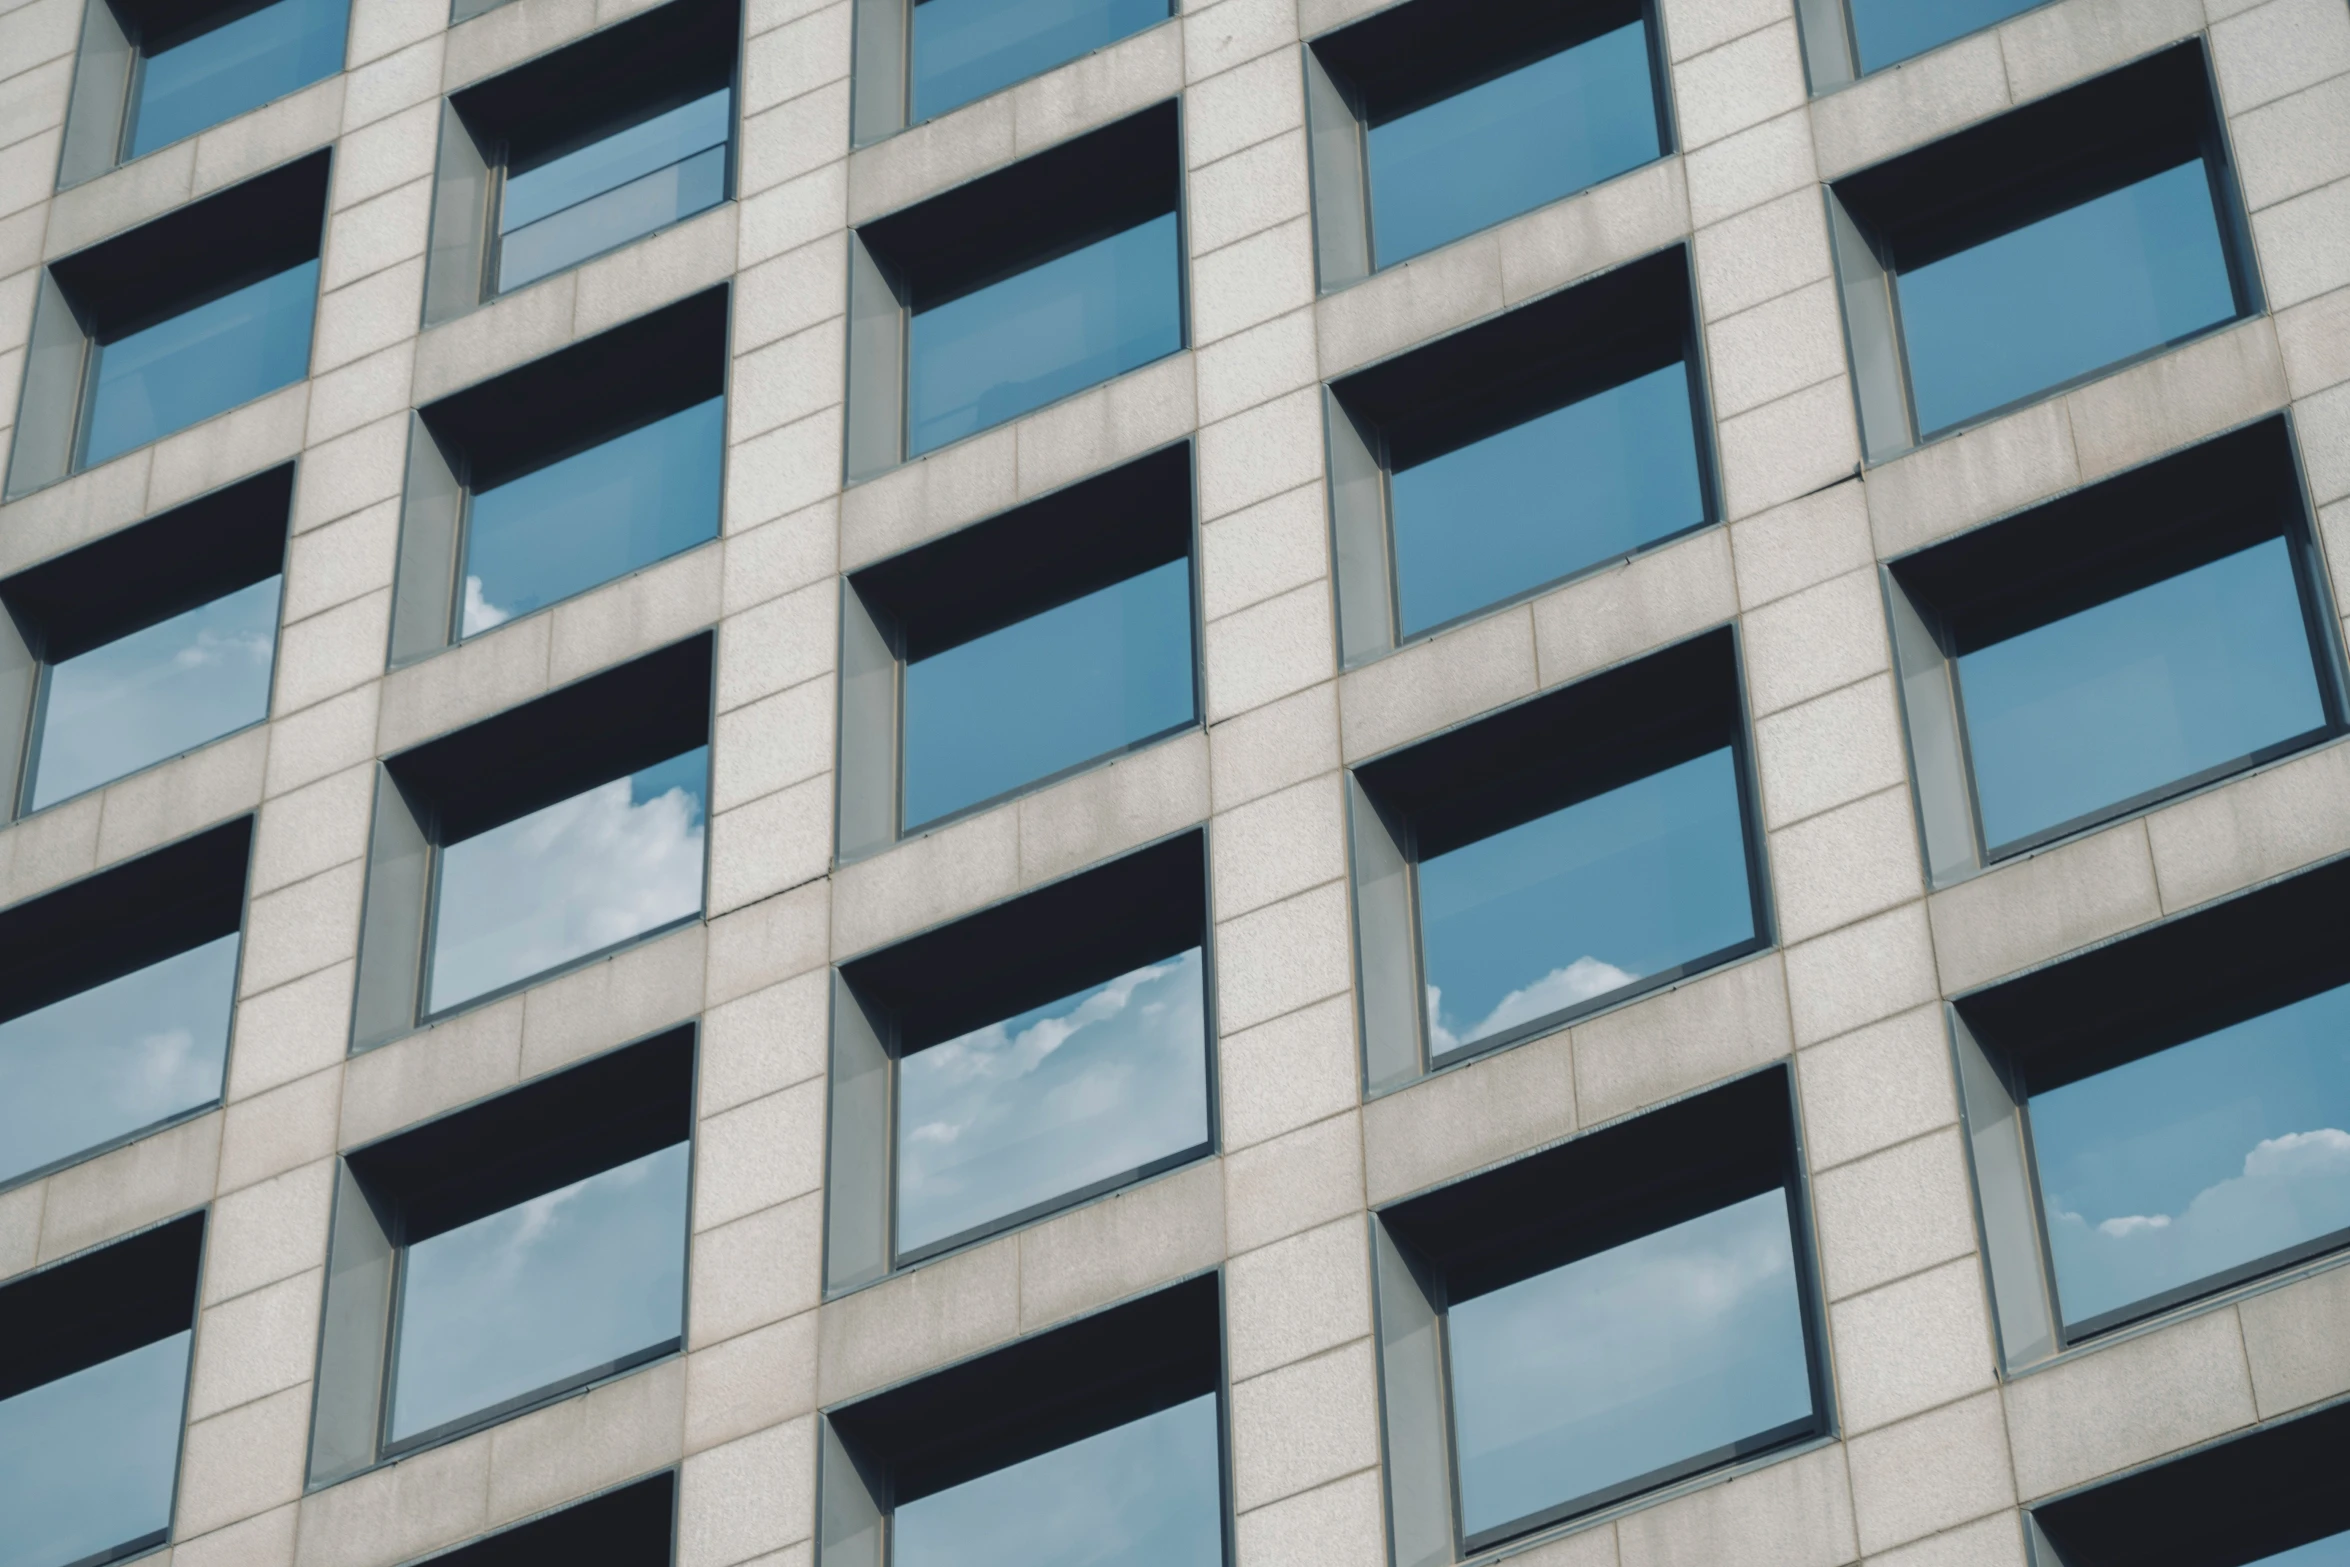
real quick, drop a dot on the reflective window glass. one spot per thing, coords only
(1579, 485)
(2142, 691)
(569, 879)
(1890, 31)
(607, 193)
(2070, 294)
(113, 1059)
(159, 691)
(2195, 1164)
(201, 362)
(1145, 1494)
(219, 74)
(966, 49)
(2332, 1551)
(1079, 681)
(1097, 1085)
(1661, 1354)
(1508, 145)
(87, 1461)
(1042, 334)
(1584, 901)
(567, 1286)
(593, 516)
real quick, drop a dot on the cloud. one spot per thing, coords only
(211, 648)
(2292, 1188)
(1555, 991)
(480, 614)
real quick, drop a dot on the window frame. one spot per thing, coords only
(869, 997)
(2247, 483)
(1383, 857)
(1339, 114)
(1409, 1290)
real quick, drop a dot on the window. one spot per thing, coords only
(91, 1398)
(116, 993)
(1014, 291)
(149, 74)
(1503, 459)
(1107, 1430)
(2138, 639)
(536, 840)
(2162, 1118)
(1019, 1061)
(1018, 650)
(563, 475)
(1541, 1353)
(942, 54)
(163, 327)
(1557, 857)
(2044, 247)
(2272, 1495)
(504, 1255)
(1843, 39)
(579, 152)
(146, 644)
(1424, 129)
(629, 1527)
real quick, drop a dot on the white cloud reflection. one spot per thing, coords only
(1555, 991)
(1066, 1094)
(2292, 1188)
(479, 613)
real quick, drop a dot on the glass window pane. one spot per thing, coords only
(1579, 485)
(549, 1290)
(569, 879)
(1584, 901)
(593, 516)
(2332, 1551)
(1507, 146)
(201, 362)
(1042, 334)
(96, 1066)
(220, 74)
(2070, 294)
(1659, 1353)
(87, 1461)
(155, 693)
(609, 192)
(1079, 681)
(966, 49)
(2138, 692)
(1078, 1091)
(2198, 1160)
(1889, 31)
(1144, 1494)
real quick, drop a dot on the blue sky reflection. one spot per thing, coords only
(966, 49)
(1073, 1092)
(87, 1461)
(201, 362)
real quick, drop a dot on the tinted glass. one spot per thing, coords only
(2194, 1162)
(1582, 902)
(550, 1290)
(2138, 692)
(594, 516)
(1579, 485)
(1888, 31)
(1654, 1355)
(117, 1057)
(2332, 1551)
(155, 693)
(2070, 294)
(1543, 131)
(966, 49)
(569, 879)
(609, 192)
(201, 362)
(1042, 334)
(1067, 1095)
(230, 69)
(1022, 703)
(87, 1461)
(1145, 1494)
